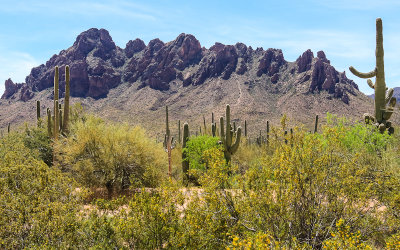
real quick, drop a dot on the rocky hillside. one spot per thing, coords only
(138, 80)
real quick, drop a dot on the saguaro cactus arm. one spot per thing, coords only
(389, 95)
(235, 146)
(362, 75)
(370, 84)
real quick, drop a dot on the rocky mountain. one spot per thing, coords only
(140, 79)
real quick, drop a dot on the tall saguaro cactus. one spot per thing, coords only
(382, 97)
(168, 142)
(229, 147)
(56, 107)
(39, 123)
(66, 101)
(49, 123)
(185, 161)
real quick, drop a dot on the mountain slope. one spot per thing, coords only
(135, 83)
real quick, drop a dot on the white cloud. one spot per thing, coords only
(15, 65)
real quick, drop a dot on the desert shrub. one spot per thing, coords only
(111, 156)
(151, 219)
(302, 190)
(343, 238)
(195, 148)
(38, 204)
(37, 139)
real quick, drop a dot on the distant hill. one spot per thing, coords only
(134, 83)
(396, 93)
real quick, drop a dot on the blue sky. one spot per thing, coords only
(32, 31)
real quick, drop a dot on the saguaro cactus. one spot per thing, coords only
(49, 123)
(316, 124)
(229, 147)
(39, 123)
(245, 128)
(382, 95)
(185, 162)
(168, 142)
(56, 123)
(213, 129)
(66, 101)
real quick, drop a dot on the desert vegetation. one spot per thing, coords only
(107, 185)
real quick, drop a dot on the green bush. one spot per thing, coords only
(38, 204)
(37, 139)
(111, 156)
(195, 149)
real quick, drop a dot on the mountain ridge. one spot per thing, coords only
(141, 79)
(98, 65)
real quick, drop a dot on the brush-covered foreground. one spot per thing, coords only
(108, 188)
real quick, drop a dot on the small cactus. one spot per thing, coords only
(213, 129)
(179, 131)
(226, 139)
(245, 128)
(204, 122)
(38, 113)
(267, 132)
(316, 124)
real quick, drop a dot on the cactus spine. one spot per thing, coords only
(382, 113)
(66, 101)
(226, 139)
(185, 161)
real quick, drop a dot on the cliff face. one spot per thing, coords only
(98, 65)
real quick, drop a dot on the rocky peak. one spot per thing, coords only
(88, 40)
(304, 61)
(10, 89)
(133, 47)
(321, 55)
(270, 62)
(324, 77)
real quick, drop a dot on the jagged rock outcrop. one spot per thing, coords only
(98, 65)
(304, 61)
(324, 77)
(271, 62)
(10, 89)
